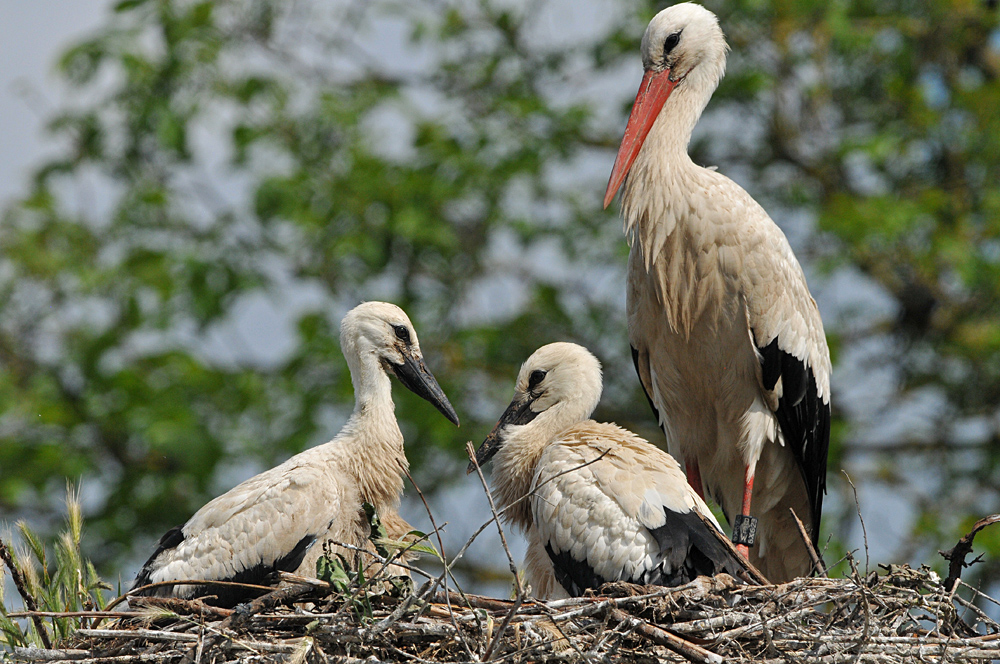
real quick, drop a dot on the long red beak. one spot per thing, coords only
(656, 86)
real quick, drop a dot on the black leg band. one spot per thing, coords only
(744, 530)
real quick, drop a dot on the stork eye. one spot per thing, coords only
(536, 377)
(671, 42)
(402, 333)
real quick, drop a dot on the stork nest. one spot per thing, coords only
(900, 614)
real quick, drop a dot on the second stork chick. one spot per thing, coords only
(272, 521)
(596, 502)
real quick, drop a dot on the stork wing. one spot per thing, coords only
(804, 419)
(265, 524)
(788, 334)
(609, 506)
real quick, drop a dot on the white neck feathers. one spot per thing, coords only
(371, 440)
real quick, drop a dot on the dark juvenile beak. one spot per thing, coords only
(416, 377)
(516, 413)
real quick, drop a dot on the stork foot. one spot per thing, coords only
(744, 525)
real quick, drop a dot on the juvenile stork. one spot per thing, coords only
(596, 502)
(271, 521)
(726, 338)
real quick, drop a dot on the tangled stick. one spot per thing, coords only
(956, 555)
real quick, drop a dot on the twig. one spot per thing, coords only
(199, 649)
(179, 606)
(863, 589)
(470, 450)
(622, 635)
(149, 634)
(956, 555)
(53, 655)
(473, 601)
(662, 637)
(857, 505)
(288, 595)
(444, 558)
(519, 598)
(73, 614)
(139, 592)
(818, 565)
(29, 601)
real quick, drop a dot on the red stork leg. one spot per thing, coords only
(694, 476)
(747, 492)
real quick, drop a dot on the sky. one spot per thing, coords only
(32, 35)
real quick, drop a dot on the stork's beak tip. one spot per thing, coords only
(416, 377)
(608, 197)
(445, 407)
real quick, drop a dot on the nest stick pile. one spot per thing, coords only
(900, 614)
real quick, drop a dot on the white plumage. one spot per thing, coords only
(727, 341)
(271, 521)
(596, 502)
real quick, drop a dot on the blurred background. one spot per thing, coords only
(194, 193)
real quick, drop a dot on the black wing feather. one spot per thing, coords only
(770, 362)
(794, 378)
(635, 361)
(574, 575)
(226, 596)
(170, 540)
(689, 550)
(261, 574)
(804, 420)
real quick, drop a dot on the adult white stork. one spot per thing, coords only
(726, 338)
(271, 521)
(597, 502)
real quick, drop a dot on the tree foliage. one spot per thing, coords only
(229, 168)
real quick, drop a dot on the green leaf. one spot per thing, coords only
(126, 5)
(334, 572)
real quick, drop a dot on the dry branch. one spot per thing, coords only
(817, 562)
(956, 555)
(662, 637)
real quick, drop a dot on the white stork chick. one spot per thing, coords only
(727, 340)
(271, 521)
(597, 502)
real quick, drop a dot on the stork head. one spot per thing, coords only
(379, 335)
(683, 48)
(557, 387)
